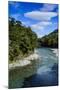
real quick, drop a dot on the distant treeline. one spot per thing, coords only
(50, 40)
(22, 40)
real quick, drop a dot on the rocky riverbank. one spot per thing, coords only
(55, 51)
(24, 62)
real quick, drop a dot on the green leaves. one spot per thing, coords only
(50, 40)
(22, 39)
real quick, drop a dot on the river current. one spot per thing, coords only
(42, 72)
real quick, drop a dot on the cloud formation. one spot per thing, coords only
(40, 25)
(38, 15)
(44, 28)
(48, 7)
(42, 18)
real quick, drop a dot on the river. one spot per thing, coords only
(42, 72)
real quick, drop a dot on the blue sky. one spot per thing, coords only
(42, 18)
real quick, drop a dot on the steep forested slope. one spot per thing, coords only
(50, 40)
(22, 40)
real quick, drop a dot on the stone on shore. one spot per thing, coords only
(24, 62)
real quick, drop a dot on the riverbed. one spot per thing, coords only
(42, 72)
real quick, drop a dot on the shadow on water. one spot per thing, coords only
(17, 75)
(49, 78)
(42, 72)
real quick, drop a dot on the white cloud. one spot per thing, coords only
(38, 15)
(37, 27)
(48, 7)
(44, 28)
(44, 23)
(40, 25)
(18, 17)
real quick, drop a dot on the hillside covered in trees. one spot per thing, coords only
(22, 40)
(50, 40)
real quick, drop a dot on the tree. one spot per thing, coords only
(50, 40)
(22, 40)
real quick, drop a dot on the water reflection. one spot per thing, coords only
(42, 72)
(48, 78)
(17, 76)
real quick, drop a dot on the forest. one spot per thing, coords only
(50, 40)
(22, 40)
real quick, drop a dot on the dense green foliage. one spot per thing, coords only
(50, 40)
(22, 40)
